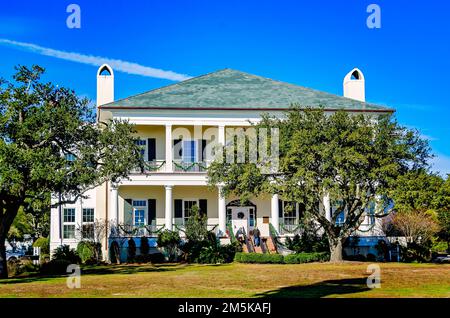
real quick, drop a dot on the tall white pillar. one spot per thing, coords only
(327, 206)
(221, 137)
(113, 205)
(168, 207)
(169, 148)
(275, 217)
(222, 212)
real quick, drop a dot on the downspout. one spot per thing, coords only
(106, 217)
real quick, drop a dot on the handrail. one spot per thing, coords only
(180, 165)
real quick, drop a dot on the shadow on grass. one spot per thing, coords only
(320, 289)
(98, 270)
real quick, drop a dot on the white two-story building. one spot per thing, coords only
(175, 125)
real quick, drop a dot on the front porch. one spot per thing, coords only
(145, 210)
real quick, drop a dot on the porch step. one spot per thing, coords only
(271, 246)
(250, 247)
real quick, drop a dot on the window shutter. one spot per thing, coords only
(177, 149)
(151, 144)
(178, 208)
(151, 212)
(203, 206)
(280, 208)
(204, 155)
(128, 211)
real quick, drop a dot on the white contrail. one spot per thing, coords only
(117, 65)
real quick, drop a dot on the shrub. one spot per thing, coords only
(88, 251)
(17, 267)
(280, 259)
(145, 247)
(217, 254)
(169, 241)
(356, 258)
(131, 250)
(44, 244)
(308, 241)
(142, 258)
(306, 258)
(256, 258)
(55, 267)
(66, 253)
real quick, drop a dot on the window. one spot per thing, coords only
(289, 213)
(88, 223)
(69, 223)
(229, 215)
(251, 217)
(340, 219)
(142, 143)
(70, 157)
(370, 212)
(189, 151)
(88, 215)
(187, 208)
(139, 212)
(69, 215)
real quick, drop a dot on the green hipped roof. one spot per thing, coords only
(235, 90)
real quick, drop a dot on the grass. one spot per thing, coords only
(240, 280)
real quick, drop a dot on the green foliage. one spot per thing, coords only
(416, 253)
(131, 251)
(44, 244)
(40, 124)
(145, 247)
(217, 254)
(202, 246)
(306, 258)
(55, 267)
(259, 258)
(21, 267)
(87, 251)
(169, 241)
(353, 158)
(308, 241)
(280, 259)
(66, 253)
(196, 226)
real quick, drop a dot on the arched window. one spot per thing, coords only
(104, 71)
(355, 75)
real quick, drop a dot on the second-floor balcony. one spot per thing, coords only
(178, 166)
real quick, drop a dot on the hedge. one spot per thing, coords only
(256, 258)
(306, 258)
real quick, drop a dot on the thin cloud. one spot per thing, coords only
(440, 164)
(117, 65)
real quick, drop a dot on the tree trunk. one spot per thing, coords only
(335, 250)
(3, 263)
(7, 217)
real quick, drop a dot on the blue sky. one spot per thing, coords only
(311, 43)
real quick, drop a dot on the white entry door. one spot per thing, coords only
(240, 218)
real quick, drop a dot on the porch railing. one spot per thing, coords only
(182, 166)
(289, 229)
(151, 166)
(128, 230)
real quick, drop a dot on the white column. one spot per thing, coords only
(113, 205)
(169, 147)
(222, 212)
(327, 206)
(221, 137)
(168, 211)
(275, 218)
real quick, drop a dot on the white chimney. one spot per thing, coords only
(105, 85)
(354, 86)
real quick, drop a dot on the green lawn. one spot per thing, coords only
(240, 280)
